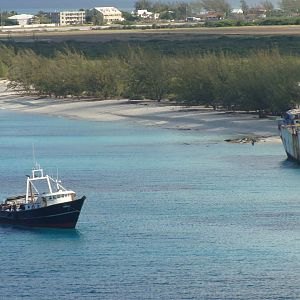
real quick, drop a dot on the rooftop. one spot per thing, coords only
(21, 17)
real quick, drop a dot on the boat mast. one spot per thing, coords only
(31, 192)
(27, 189)
(49, 183)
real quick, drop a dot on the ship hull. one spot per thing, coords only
(62, 215)
(291, 142)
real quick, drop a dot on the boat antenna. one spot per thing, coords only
(33, 156)
(57, 181)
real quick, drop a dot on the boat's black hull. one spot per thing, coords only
(63, 215)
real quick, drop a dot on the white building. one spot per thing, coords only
(22, 19)
(68, 17)
(237, 11)
(108, 14)
(145, 14)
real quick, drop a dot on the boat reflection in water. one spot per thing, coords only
(46, 204)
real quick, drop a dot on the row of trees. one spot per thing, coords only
(261, 81)
(290, 6)
(184, 8)
(172, 10)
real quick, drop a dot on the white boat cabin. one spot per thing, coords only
(41, 191)
(52, 190)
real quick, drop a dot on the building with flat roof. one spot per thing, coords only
(68, 17)
(108, 14)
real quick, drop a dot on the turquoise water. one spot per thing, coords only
(169, 215)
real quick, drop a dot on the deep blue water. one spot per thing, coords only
(169, 215)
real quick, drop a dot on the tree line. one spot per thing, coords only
(262, 81)
(184, 8)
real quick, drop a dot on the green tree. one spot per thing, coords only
(105, 78)
(267, 5)
(221, 6)
(129, 17)
(290, 6)
(268, 81)
(148, 75)
(191, 81)
(159, 7)
(196, 7)
(181, 10)
(93, 16)
(143, 4)
(43, 17)
(244, 7)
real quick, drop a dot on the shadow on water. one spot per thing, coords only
(43, 232)
(289, 164)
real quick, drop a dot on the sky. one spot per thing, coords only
(29, 5)
(62, 4)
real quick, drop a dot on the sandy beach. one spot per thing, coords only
(145, 113)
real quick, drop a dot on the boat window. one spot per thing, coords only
(58, 196)
(54, 197)
(50, 198)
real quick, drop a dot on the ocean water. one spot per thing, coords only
(169, 214)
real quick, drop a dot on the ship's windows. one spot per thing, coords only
(58, 196)
(54, 197)
(50, 198)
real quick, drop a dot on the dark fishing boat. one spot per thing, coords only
(46, 204)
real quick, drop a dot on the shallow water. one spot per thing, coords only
(169, 214)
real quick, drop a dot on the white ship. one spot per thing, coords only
(289, 128)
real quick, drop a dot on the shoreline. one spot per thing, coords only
(166, 115)
(86, 34)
